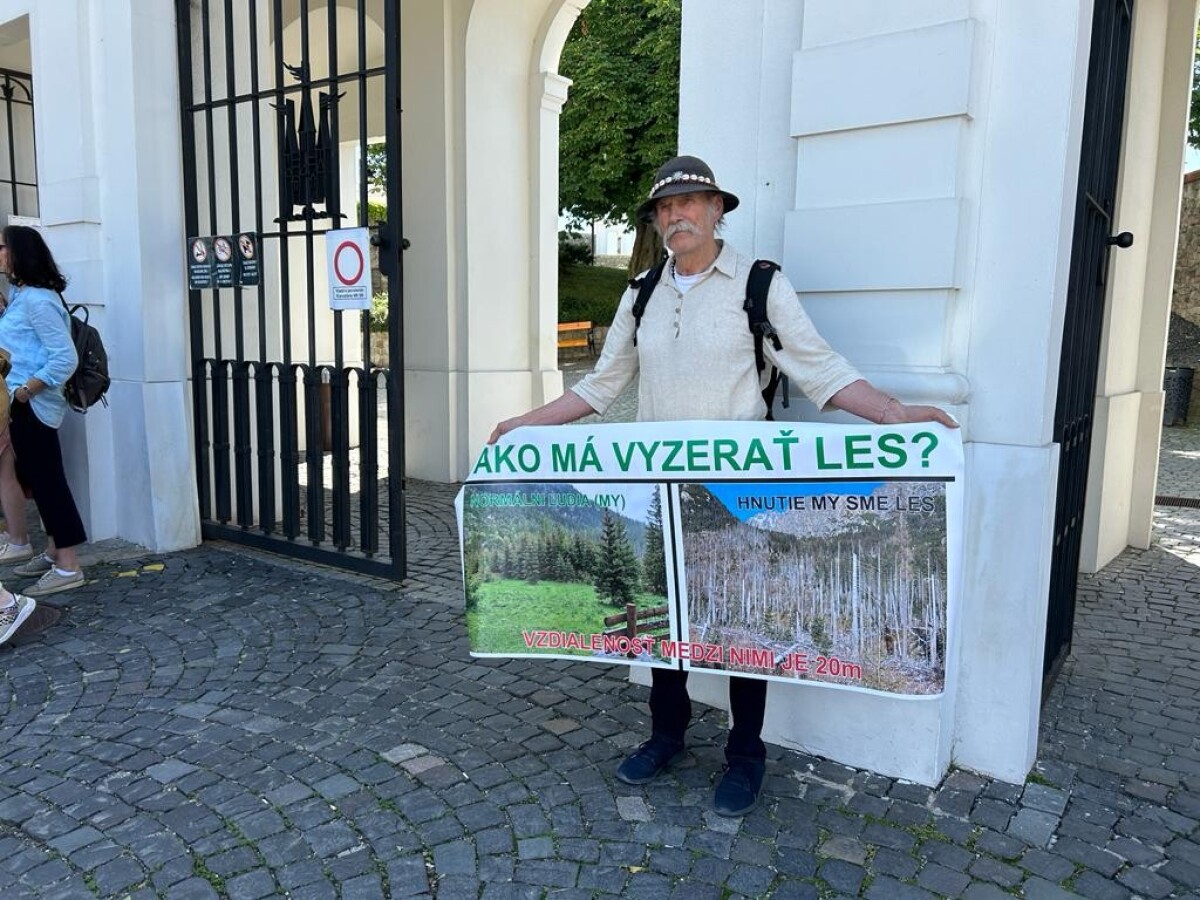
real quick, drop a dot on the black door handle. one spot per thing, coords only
(1124, 240)
(378, 241)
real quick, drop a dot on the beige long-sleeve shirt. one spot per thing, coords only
(695, 351)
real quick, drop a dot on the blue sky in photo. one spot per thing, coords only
(729, 492)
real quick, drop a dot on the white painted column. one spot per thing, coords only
(932, 248)
(1129, 402)
(549, 95)
(111, 207)
(433, 326)
(135, 95)
(1031, 65)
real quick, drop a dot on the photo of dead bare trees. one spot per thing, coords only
(842, 583)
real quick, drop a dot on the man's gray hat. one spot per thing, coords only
(682, 175)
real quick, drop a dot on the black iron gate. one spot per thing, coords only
(1073, 419)
(290, 117)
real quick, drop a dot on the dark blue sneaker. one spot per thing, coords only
(650, 760)
(739, 788)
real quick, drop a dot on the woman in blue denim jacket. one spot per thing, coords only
(36, 331)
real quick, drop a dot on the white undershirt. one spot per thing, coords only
(686, 282)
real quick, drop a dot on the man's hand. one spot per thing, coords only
(505, 427)
(864, 399)
(897, 413)
(567, 408)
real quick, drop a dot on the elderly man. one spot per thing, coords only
(696, 356)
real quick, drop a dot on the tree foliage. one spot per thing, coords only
(655, 561)
(617, 578)
(377, 167)
(1194, 118)
(621, 121)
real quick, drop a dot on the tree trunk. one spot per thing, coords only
(647, 249)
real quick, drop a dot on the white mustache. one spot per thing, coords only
(680, 228)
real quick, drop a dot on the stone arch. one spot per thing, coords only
(513, 95)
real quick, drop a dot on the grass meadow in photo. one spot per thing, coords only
(556, 560)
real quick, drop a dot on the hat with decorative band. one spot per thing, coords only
(682, 175)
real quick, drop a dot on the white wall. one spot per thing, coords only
(882, 154)
(110, 191)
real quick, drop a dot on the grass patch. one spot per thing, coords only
(1036, 777)
(200, 870)
(590, 293)
(923, 833)
(507, 606)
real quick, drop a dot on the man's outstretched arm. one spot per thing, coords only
(864, 399)
(567, 408)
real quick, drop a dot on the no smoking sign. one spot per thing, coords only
(347, 251)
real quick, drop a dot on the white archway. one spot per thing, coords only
(512, 96)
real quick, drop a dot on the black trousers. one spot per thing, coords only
(40, 468)
(671, 710)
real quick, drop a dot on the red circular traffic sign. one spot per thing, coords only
(337, 262)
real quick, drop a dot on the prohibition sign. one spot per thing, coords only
(337, 262)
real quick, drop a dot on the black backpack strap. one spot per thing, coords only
(645, 287)
(758, 286)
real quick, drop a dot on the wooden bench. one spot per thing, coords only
(577, 334)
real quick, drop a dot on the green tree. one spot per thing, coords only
(377, 166)
(655, 562)
(617, 565)
(1194, 118)
(621, 121)
(474, 569)
(1193, 133)
(583, 558)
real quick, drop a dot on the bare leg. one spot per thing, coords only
(12, 498)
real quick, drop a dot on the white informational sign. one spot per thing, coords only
(796, 552)
(348, 253)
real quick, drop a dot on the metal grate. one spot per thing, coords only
(1167, 500)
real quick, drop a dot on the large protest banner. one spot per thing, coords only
(789, 551)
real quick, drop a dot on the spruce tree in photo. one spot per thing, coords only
(560, 564)
(617, 565)
(583, 558)
(474, 569)
(530, 559)
(655, 560)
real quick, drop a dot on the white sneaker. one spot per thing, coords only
(52, 583)
(36, 567)
(11, 553)
(13, 617)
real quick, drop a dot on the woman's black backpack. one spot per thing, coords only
(90, 382)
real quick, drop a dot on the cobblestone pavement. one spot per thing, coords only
(1179, 461)
(216, 723)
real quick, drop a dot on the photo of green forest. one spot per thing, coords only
(848, 577)
(564, 569)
